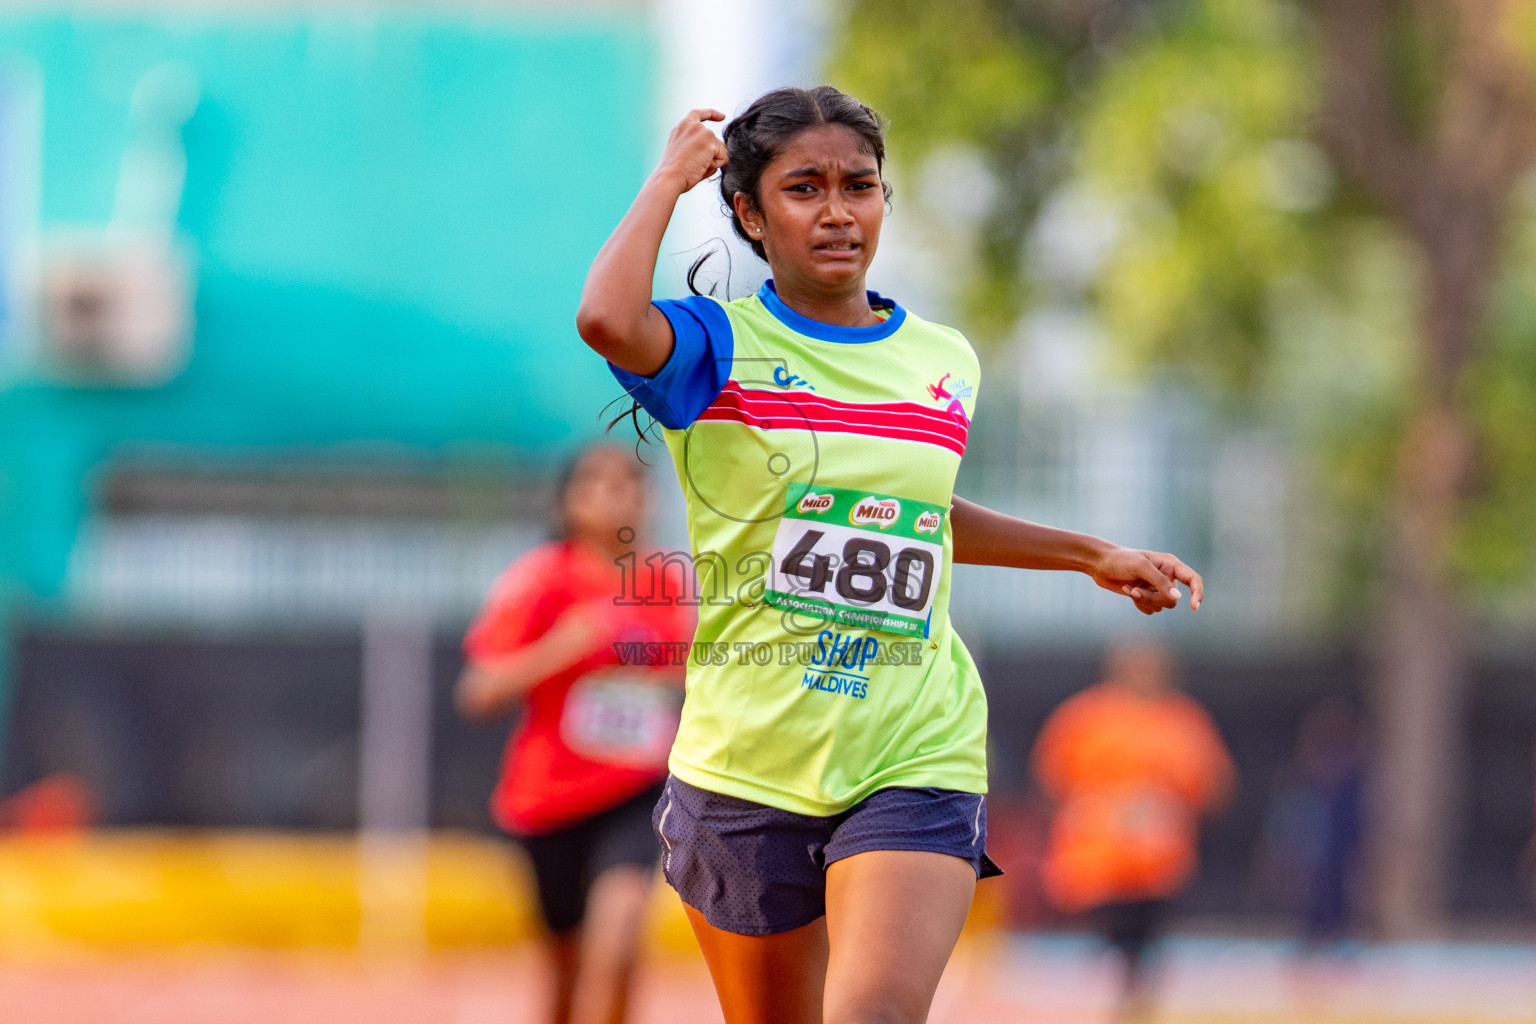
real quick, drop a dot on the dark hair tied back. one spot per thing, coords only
(753, 139)
(759, 133)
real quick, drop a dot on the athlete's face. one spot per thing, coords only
(605, 495)
(819, 209)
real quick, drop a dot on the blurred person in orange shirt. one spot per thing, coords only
(1130, 765)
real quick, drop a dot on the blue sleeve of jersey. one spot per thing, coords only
(695, 373)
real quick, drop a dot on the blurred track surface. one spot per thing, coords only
(1041, 980)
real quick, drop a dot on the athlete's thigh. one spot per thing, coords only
(893, 917)
(766, 979)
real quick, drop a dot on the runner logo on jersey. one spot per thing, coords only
(952, 395)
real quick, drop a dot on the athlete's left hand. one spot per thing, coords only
(1149, 578)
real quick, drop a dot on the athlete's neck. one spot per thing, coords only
(605, 549)
(847, 306)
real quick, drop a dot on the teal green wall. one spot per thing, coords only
(392, 217)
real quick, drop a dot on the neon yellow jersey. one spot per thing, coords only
(818, 464)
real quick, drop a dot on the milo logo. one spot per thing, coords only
(872, 511)
(813, 502)
(928, 522)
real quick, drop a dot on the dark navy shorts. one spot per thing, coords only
(757, 870)
(566, 862)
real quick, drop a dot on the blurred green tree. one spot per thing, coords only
(1317, 214)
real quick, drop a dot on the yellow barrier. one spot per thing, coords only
(157, 888)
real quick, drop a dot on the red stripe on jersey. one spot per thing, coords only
(815, 410)
(812, 398)
(907, 414)
(901, 421)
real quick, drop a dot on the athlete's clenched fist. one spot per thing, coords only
(693, 152)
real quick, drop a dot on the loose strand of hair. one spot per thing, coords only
(632, 413)
(718, 247)
(644, 434)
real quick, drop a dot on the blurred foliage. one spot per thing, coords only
(1198, 138)
(1239, 257)
(985, 74)
(1499, 531)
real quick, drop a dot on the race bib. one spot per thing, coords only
(858, 558)
(621, 719)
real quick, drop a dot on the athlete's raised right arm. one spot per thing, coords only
(616, 317)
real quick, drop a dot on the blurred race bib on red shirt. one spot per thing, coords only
(621, 718)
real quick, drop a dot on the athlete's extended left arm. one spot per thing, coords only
(1149, 578)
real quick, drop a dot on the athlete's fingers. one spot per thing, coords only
(1160, 583)
(1146, 600)
(1177, 570)
(704, 114)
(1184, 574)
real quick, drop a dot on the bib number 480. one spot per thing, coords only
(860, 578)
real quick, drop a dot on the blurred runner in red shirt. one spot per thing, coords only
(1131, 765)
(600, 690)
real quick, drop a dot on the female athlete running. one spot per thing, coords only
(824, 821)
(583, 771)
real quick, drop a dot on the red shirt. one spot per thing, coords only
(598, 733)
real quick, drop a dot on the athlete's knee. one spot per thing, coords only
(622, 884)
(619, 892)
(873, 1008)
(616, 908)
(873, 1015)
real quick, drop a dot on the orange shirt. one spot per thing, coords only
(1130, 776)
